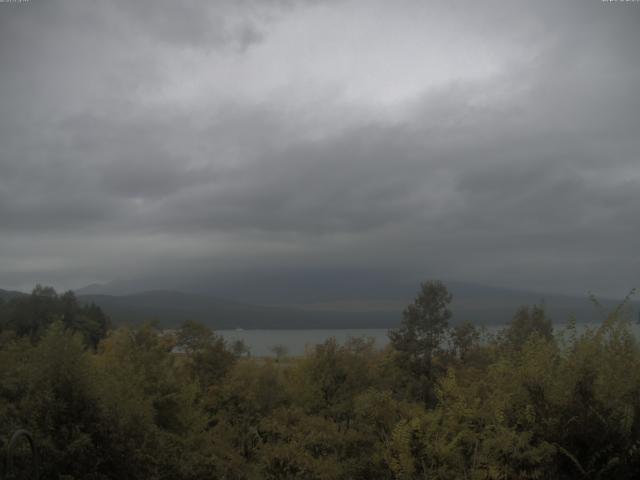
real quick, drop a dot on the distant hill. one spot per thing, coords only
(492, 305)
(170, 308)
(93, 289)
(9, 294)
(476, 303)
(484, 305)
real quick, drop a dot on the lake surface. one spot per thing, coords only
(261, 342)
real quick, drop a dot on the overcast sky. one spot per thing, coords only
(495, 142)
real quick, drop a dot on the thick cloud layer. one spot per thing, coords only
(494, 142)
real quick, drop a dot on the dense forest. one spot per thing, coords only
(442, 401)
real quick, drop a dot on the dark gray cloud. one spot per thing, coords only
(495, 143)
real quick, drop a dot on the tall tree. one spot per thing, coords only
(421, 333)
(528, 321)
(207, 353)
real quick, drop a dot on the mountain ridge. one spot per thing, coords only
(479, 304)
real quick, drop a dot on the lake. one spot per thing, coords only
(261, 342)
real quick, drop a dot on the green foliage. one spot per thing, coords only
(464, 338)
(420, 337)
(526, 322)
(207, 358)
(145, 404)
(31, 315)
(424, 322)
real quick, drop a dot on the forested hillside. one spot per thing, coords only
(439, 402)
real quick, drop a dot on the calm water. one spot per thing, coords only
(261, 342)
